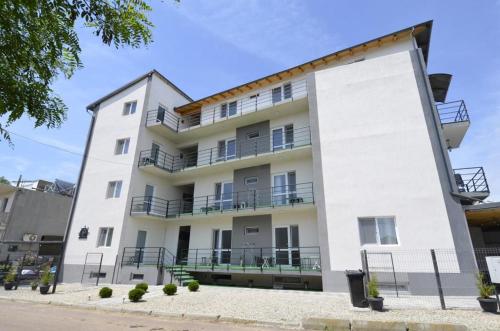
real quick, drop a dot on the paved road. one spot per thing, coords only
(17, 316)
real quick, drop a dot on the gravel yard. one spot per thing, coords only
(286, 308)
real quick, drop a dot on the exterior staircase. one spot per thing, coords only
(179, 275)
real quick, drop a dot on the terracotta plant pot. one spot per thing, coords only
(488, 304)
(376, 304)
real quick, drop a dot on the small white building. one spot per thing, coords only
(281, 181)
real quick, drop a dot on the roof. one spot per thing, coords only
(483, 214)
(96, 103)
(421, 32)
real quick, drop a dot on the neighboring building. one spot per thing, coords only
(29, 215)
(280, 181)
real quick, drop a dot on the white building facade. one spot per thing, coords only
(282, 181)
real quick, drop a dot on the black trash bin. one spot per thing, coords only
(356, 288)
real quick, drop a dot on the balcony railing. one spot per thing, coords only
(232, 149)
(471, 180)
(452, 112)
(272, 197)
(258, 100)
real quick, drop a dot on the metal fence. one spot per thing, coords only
(28, 260)
(432, 278)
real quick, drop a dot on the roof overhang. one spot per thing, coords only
(6, 188)
(440, 84)
(484, 214)
(421, 32)
(96, 103)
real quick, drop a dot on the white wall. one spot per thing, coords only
(373, 157)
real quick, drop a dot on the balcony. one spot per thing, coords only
(454, 121)
(256, 106)
(246, 202)
(229, 152)
(472, 182)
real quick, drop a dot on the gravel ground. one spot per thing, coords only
(287, 308)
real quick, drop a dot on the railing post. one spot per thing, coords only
(212, 259)
(210, 161)
(150, 201)
(196, 260)
(244, 256)
(123, 255)
(237, 202)
(139, 258)
(261, 261)
(206, 207)
(254, 199)
(158, 261)
(438, 279)
(178, 123)
(279, 264)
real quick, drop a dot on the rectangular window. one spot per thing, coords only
(251, 180)
(377, 231)
(226, 149)
(282, 137)
(251, 230)
(276, 94)
(114, 189)
(122, 146)
(233, 108)
(223, 110)
(253, 135)
(129, 108)
(105, 237)
(224, 195)
(287, 91)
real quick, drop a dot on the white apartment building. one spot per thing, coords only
(281, 181)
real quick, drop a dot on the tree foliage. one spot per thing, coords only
(4, 180)
(38, 43)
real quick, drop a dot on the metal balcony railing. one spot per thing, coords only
(258, 100)
(140, 256)
(471, 180)
(452, 112)
(272, 197)
(232, 149)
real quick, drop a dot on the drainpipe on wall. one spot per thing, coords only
(75, 196)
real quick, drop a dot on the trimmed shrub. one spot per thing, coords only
(194, 286)
(105, 292)
(135, 294)
(142, 286)
(170, 289)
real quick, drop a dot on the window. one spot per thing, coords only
(251, 180)
(253, 135)
(122, 146)
(226, 149)
(105, 237)
(284, 188)
(281, 93)
(282, 137)
(228, 109)
(223, 110)
(287, 91)
(4, 204)
(114, 189)
(94, 274)
(251, 230)
(224, 195)
(232, 108)
(129, 108)
(377, 231)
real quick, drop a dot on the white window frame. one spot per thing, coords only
(114, 189)
(284, 144)
(377, 233)
(287, 186)
(108, 239)
(124, 147)
(228, 115)
(282, 92)
(220, 202)
(128, 110)
(290, 248)
(226, 157)
(218, 251)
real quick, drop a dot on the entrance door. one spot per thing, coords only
(183, 244)
(287, 245)
(149, 192)
(140, 244)
(221, 246)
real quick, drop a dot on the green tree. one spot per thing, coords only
(38, 43)
(4, 180)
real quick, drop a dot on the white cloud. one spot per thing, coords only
(267, 29)
(18, 163)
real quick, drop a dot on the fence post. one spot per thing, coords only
(196, 260)
(139, 257)
(438, 279)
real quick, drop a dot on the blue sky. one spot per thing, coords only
(205, 47)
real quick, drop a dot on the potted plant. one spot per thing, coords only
(9, 279)
(375, 302)
(45, 279)
(34, 285)
(486, 290)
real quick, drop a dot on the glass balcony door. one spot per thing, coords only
(221, 245)
(224, 195)
(282, 137)
(284, 188)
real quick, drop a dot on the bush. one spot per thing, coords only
(373, 287)
(105, 292)
(142, 286)
(485, 290)
(170, 289)
(136, 294)
(46, 277)
(10, 277)
(194, 286)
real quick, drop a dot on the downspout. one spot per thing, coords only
(75, 196)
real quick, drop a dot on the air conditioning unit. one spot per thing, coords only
(30, 237)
